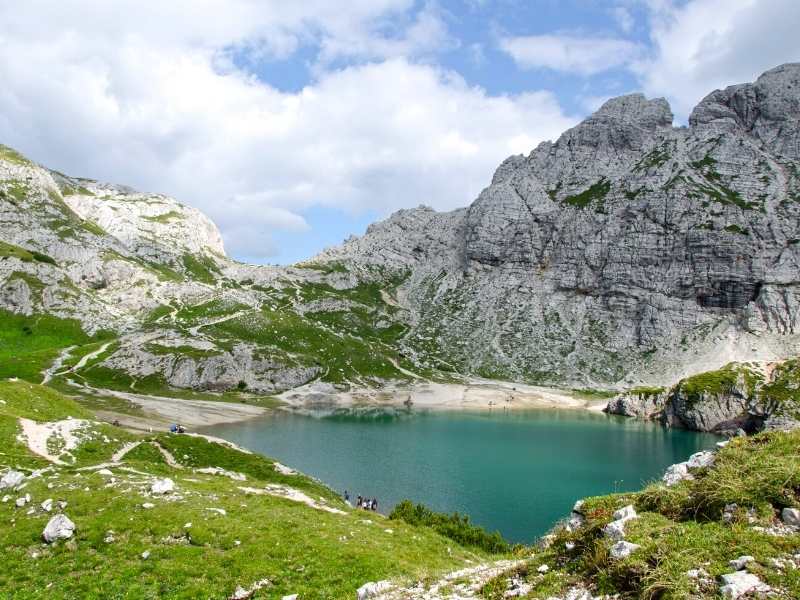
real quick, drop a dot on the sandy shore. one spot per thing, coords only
(160, 412)
(475, 394)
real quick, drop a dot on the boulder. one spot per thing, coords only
(625, 513)
(677, 473)
(47, 505)
(615, 530)
(623, 549)
(162, 486)
(791, 516)
(60, 527)
(372, 589)
(740, 563)
(699, 460)
(735, 585)
(11, 480)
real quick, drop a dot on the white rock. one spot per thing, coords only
(623, 549)
(741, 562)
(21, 501)
(372, 589)
(701, 459)
(677, 473)
(145, 554)
(723, 444)
(11, 480)
(578, 506)
(615, 530)
(6, 498)
(578, 594)
(105, 472)
(162, 486)
(290, 597)
(220, 511)
(543, 569)
(148, 505)
(58, 528)
(735, 585)
(47, 505)
(791, 516)
(625, 513)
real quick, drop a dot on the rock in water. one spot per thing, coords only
(60, 527)
(677, 473)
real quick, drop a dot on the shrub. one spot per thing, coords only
(456, 527)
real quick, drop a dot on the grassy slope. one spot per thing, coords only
(299, 549)
(681, 528)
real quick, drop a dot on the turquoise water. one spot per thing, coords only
(515, 472)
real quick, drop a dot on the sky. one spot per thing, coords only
(295, 123)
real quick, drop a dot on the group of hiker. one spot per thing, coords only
(363, 502)
(177, 428)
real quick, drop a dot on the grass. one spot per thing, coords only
(597, 191)
(201, 268)
(165, 218)
(681, 528)
(193, 552)
(29, 344)
(10, 155)
(722, 381)
(11, 251)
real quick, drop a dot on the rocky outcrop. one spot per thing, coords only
(749, 397)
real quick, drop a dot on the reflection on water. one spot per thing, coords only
(514, 471)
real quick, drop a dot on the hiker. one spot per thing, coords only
(375, 505)
(359, 502)
(181, 429)
(173, 428)
(346, 497)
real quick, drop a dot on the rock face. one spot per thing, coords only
(626, 250)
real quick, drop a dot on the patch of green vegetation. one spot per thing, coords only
(12, 156)
(736, 229)
(456, 527)
(653, 159)
(165, 218)
(633, 194)
(37, 402)
(29, 344)
(218, 307)
(158, 313)
(201, 268)
(339, 357)
(181, 351)
(326, 268)
(680, 528)
(782, 393)
(592, 394)
(15, 191)
(10, 250)
(597, 191)
(646, 391)
(722, 381)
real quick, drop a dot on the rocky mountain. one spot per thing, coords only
(627, 252)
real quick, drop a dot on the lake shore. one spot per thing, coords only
(474, 394)
(158, 412)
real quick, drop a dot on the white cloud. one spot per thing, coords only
(583, 55)
(622, 15)
(707, 44)
(150, 97)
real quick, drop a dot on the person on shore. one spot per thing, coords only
(359, 502)
(374, 505)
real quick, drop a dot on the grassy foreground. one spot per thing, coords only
(204, 539)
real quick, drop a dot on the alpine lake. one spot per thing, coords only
(516, 472)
